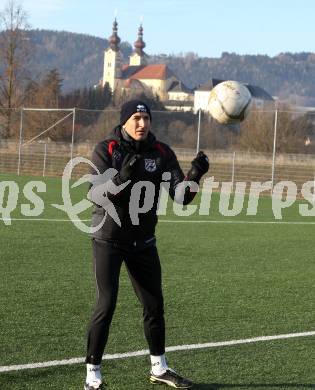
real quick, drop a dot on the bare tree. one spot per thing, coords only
(292, 131)
(14, 49)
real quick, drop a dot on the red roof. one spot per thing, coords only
(158, 71)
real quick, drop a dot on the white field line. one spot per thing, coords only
(187, 347)
(171, 221)
(44, 220)
(238, 222)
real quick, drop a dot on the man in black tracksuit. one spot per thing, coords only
(133, 151)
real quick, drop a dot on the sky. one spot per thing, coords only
(204, 27)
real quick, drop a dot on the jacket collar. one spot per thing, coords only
(121, 136)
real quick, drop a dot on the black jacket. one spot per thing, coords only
(156, 158)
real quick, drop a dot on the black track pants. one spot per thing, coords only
(144, 270)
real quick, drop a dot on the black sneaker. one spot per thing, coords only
(91, 387)
(171, 378)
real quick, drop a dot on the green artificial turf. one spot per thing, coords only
(222, 281)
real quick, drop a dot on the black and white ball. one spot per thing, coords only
(229, 102)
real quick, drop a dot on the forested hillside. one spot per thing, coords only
(79, 59)
(289, 76)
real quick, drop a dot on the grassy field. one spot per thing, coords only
(225, 279)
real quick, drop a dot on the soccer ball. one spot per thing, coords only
(229, 102)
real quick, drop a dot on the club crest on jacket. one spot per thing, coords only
(149, 165)
(116, 155)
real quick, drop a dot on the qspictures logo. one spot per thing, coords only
(102, 191)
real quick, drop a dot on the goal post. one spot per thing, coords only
(48, 125)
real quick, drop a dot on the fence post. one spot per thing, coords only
(233, 169)
(198, 131)
(72, 137)
(45, 157)
(20, 144)
(274, 149)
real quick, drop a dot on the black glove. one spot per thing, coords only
(128, 167)
(199, 166)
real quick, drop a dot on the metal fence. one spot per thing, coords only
(43, 141)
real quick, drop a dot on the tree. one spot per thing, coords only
(14, 49)
(257, 131)
(51, 89)
(46, 94)
(93, 98)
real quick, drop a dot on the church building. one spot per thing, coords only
(141, 77)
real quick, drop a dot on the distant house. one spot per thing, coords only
(155, 78)
(180, 97)
(260, 97)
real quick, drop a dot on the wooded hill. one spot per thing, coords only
(79, 59)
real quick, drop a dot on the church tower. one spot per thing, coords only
(138, 56)
(112, 60)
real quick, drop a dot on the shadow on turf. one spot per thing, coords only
(218, 386)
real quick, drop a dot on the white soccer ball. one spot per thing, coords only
(229, 102)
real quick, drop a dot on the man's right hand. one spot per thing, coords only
(128, 167)
(199, 166)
